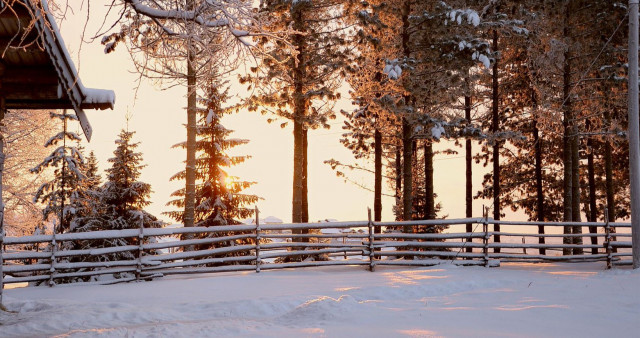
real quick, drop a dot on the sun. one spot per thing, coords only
(229, 181)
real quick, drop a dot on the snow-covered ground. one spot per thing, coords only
(561, 300)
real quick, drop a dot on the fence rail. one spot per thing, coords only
(151, 253)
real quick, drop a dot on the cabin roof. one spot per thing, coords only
(36, 71)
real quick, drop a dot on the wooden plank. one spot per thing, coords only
(181, 264)
(180, 243)
(179, 271)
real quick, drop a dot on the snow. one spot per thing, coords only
(436, 131)
(562, 300)
(210, 116)
(272, 220)
(473, 18)
(95, 96)
(263, 221)
(392, 69)
(486, 62)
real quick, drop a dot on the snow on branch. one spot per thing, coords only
(469, 15)
(179, 14)
(393, 69)
(209, 14)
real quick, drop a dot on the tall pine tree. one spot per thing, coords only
(218, 196)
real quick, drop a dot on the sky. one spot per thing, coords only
(157, 114)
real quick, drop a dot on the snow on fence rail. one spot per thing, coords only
(156, 252)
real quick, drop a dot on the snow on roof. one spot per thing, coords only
(79, 96)
(99, 96)
(272, 220)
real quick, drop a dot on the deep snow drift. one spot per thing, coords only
(568, 300)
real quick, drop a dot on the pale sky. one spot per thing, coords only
(158, 116)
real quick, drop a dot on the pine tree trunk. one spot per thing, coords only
(575, 172)
(608, 173)
(299, 112)
(398, 181)
(407, 173)
(495, 127)
(468, 158)
(190, 170)
(377, 186)
(593, 208)
(305, 186)
(298, 161)
(567, 157)
(575, 188)
(407, 139)
(429, 205)
(539, 189)
(567, 183)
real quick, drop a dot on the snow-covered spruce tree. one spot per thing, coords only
(218, 197)
(123, 198)
(90, 169)
(64, 192)
(91, 209)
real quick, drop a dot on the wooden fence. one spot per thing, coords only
(156, 252)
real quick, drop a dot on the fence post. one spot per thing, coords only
(258, 237)
(372, 264)
(485, 239)
(607, 237)
(140, 247)
(54, 245)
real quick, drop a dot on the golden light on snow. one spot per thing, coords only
(409, 277)
(419, 333)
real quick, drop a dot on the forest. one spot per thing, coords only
(540, 85)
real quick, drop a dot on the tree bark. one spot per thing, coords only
(305, 184)
(593, 208)
(575, 161)
(407, 173)
(567, 157)
(398, 181)
(575, 188)
(468, 158)
(407, 139)
(608, 173)
(429, 205)
(495, 127)
(539, 189)
(190, 170)
(299, 113)
(298, 160)
(377, 195)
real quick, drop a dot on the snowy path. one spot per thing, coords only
(578, 300)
